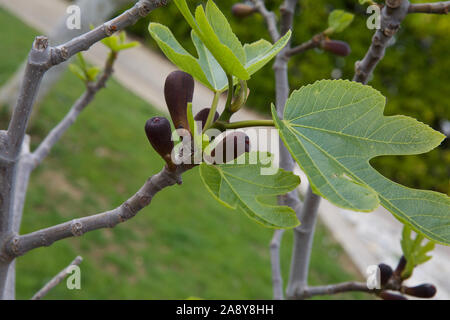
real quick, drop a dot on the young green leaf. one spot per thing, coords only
(176, 53)
(231, 63)
(242, 186)
(334, 127)
(414, 252)
(259, 53)
(76, 70)
(338, 20)
(222, 28)
(217, 79)
(92, 73)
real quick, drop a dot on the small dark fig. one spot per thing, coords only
(386, 295)
(231, 147)
(202, 115)
(425, 290)
(385, 273)
(159, 134)
(242, 10)
(336, 47)
(179, 91)
(400, 267)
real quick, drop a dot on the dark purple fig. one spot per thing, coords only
(386, 295)
(179, 91)
(202, 115)
(336, 47)
(425, 290)
(400, 267)
(242, 10)
(385, 273)
(232, 146)
(159, 135)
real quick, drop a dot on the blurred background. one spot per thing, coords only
(186, 244)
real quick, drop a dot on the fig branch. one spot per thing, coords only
(30, 160)
(18, 245)
(434, 7)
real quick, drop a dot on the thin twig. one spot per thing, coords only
(269, 17)
(313, 43)
(91, 90)
(434, 7)
(277, 280)
(56, 279)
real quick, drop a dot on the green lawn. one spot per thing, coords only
(184, 244)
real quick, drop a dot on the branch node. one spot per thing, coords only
(77, 228)
(109, 29)
(393, 3)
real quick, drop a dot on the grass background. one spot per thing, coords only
(184, 244)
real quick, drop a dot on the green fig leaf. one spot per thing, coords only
(241, 185)
(333, 128)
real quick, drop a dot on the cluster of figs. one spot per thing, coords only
(392, 280)
(178, 93)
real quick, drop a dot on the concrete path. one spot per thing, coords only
(368, 238)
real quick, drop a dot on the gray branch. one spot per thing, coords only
(56, 279)
(392, 16)
(434, 7)
(18, 245)
(277, 280)
(301, 252)
(269, 17)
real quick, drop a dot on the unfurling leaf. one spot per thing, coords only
(333, 128)
(242, 186)
(338, 20)
(414, 252)
(76, 70)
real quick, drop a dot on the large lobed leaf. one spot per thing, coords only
(333, 128)
(242, 186)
